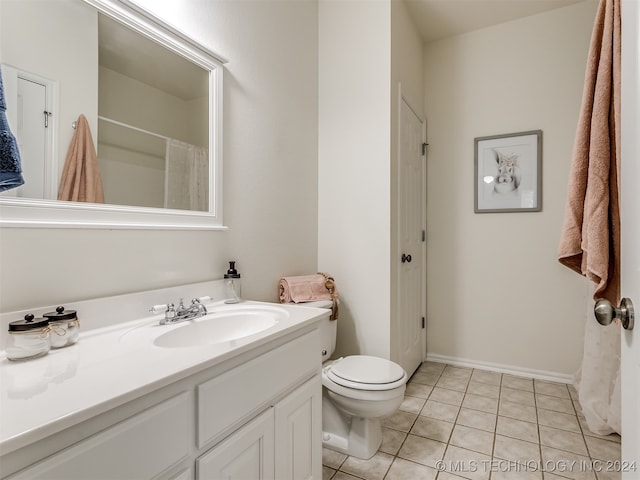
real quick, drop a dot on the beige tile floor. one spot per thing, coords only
(462, 423)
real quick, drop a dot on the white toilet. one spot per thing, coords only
(358, 391)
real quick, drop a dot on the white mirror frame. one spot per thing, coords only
(24, 212)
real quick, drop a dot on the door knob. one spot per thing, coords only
(605, 312)
(405, 258)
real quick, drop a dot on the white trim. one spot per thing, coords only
(629, 173)
(30, 213)
(501, 368)
(147, 24)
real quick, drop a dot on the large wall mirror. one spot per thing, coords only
(153, 102)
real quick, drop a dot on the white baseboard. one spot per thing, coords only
(497, 367)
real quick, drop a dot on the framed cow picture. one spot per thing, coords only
(508, 173)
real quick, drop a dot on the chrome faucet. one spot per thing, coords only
(181, 313)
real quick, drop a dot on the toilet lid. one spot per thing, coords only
(317, 304)
(367, 373)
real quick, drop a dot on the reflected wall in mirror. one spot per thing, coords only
(150, 94)
(152, 122)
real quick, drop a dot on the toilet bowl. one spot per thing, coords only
(358, 391)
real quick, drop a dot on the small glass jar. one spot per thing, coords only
(65, 327)
(28, 338)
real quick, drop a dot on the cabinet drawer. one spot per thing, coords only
(232, 396)
(124, 451)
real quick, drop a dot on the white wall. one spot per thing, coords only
(133, 102)
(495, 291)
(270, 176)
(354, 165)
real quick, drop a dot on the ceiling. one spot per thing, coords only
(437, 19)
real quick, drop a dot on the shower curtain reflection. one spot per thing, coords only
(186, 176)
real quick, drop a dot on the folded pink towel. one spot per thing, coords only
(304, 288)
(309, 288)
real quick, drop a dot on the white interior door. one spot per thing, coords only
(31, 136)
(30, 99)
(630, 232)
(411, 334)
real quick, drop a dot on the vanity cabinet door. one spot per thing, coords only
(140, 447)
(246, 453)
(299, 433)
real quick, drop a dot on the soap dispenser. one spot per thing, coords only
(232, 284)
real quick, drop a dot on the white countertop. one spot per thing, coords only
(45, 395)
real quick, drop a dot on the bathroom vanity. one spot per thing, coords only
(117, 405)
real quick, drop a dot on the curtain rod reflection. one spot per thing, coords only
(74, 124)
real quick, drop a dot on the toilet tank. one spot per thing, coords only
(328, 331)
(328, 328)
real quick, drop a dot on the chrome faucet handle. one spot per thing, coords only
(197, 304)
(169, 313)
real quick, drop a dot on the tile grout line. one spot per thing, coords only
(495, 427)
(584, 438)
(444, 453)
(535, 406)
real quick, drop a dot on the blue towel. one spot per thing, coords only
(10, 166)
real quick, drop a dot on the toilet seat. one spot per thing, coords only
(363, 372)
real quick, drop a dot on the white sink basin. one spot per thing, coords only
(221, 324)
(217, 328)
